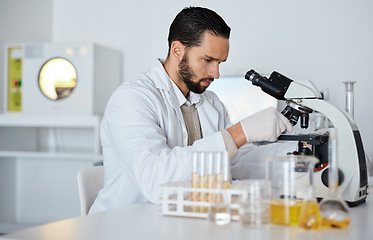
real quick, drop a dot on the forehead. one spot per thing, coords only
(212, 46)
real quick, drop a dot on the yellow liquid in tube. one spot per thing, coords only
(210, 185)
(219, 185)
(227, 184)
(327, 223)
(195, 181)
(194, 185)
(203, 195)
(194, 195)
(285, 212)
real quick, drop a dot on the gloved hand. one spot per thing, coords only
(265, 125)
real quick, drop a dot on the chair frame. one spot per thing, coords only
(90, 182)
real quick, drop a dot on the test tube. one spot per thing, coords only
(194, 182)
(219, 211)
(210, 174)
(350, 98)
(226, 167)
(218, 171)
(202, 178)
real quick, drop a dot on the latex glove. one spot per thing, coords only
(265, 125)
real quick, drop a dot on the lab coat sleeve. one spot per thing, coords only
(131, 126)
(250, 161)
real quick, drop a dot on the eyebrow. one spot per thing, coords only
(215, 59)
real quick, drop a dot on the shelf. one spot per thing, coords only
(42, 154)
(24, 120)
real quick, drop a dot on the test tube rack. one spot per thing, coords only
(176, 200)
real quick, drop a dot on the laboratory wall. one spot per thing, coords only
(23, 21)
(327, 42)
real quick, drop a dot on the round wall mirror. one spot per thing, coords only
(57, 78)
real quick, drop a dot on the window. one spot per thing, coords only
(240, 97)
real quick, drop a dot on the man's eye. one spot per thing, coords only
(207, 60)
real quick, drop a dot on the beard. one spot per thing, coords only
(187, 74)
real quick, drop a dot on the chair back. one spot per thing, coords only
(90, 182)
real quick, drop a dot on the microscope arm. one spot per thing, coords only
(350, 150)
(351, 157)
(302, 89)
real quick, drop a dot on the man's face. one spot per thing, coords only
(200, 65)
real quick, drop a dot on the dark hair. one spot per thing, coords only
(190, 24)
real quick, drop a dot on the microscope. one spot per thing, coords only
(302, 98)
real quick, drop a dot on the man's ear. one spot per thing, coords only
(177, 50)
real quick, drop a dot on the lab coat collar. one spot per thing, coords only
(161, 75)
(193, 98)
(179, 95)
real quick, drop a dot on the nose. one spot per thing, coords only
(214, 71)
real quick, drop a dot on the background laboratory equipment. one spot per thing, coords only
(59, 79)
(303, 98)
(349, 87)
(291, 177)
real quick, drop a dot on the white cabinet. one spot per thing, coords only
(39, 160)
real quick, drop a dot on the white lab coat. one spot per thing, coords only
(144, 141)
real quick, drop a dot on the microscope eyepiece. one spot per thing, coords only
(254, 77)
(276, 85)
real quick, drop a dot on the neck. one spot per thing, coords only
(171, 68)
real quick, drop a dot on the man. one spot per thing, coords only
(152, 124)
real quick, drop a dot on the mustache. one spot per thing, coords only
(210, 79)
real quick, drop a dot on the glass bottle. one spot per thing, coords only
(291, 178)
(334, 210)
(310, 217)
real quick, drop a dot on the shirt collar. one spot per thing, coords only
(193, 98)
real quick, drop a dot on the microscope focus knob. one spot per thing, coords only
(325, 177)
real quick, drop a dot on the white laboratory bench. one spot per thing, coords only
(144, 221)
